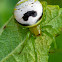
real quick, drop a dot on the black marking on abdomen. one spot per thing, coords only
(36, 21)
(25, 24)
(22, 24)
(39, 18)
(28, 14)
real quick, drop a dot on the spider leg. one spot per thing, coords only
(25, 42)
(29, 34)
(49, 34)
(47, 26)
(54, 42)
(52, 36)
(35, 51)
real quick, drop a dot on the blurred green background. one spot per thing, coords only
(6, 10)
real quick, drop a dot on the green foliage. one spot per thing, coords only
(6, 10)
(56, 55)
(18, 44)
(54, 2)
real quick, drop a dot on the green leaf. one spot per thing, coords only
(11, 37)
(60, 11)
(56, 55)
(53, 20)
(18, 44)
(12, 47)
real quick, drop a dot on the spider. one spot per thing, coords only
(29, 14)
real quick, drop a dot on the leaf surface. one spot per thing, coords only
(18, 44)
